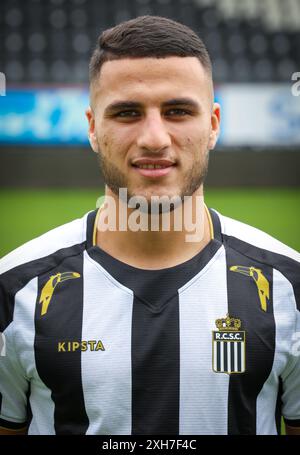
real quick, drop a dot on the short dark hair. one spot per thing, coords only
(148, 36)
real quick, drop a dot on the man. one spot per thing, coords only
(115, 325)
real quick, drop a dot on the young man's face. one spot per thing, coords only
(152, 122)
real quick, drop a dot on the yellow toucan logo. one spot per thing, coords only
(261, 281)
(48, 289)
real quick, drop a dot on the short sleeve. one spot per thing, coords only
(13, 383)
(291, 381)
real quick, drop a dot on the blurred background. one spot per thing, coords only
(48, 173)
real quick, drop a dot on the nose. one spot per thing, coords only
(153, 134)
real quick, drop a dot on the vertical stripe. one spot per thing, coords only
(259, 325)
(225, 356)
(218, 356)
(284, 312)
(222, 355)
(42, 405)
(215, 366)
(106, 375)
(243, 359)
(239, 356)
(203, 393)
(233, 356)
(155, 368)
(229, 346)
(21, 364)
(278, 409)
(62, 323)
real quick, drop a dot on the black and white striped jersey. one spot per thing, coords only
(95, 346)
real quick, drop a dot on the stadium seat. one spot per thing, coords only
(50, 40)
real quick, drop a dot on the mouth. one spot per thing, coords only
(153, 168)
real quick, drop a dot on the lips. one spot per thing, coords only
(153, 167)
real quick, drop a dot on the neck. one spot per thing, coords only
(156, 241)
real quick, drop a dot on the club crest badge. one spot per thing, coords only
(229, 346)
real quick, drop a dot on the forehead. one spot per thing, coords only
(149, 78)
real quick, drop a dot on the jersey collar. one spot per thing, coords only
(92, 218)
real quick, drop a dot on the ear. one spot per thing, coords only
(92, 133)
(215, 126)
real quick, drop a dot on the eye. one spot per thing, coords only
(178, 112)
(127, 114)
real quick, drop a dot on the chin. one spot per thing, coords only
(159, 196)
(155, 193)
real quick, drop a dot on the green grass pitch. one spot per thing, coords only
(25, 214)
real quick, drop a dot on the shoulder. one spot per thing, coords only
(61, 238)
(254, 241)
(244, 240)
(36, 257)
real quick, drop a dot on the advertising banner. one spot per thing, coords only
(255, 115)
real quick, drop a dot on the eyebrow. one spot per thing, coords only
(182, 102)
(119, 105)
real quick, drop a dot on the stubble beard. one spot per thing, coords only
(115, 179)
